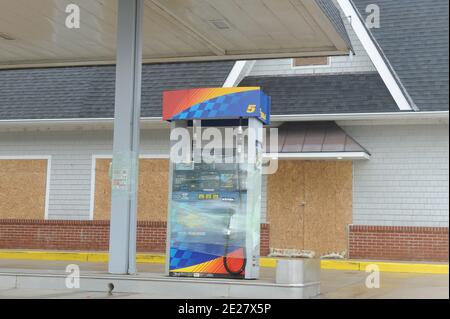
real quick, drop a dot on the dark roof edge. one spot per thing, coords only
(308, 75)
(334, 15)
(275, 118)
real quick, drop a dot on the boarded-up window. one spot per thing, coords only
(23, 188)
(153, 190)
(312, 61)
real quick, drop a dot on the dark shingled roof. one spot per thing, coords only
(325, 94)
(414, 35)
(88, 92)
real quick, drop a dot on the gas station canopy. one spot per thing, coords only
(33, 32)
(129, 32)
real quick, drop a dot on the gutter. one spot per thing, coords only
(275, 118)
(318, 156)
(360, 116)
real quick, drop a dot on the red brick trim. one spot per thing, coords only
(399, 229)
(398, 243)
(264, 240)
(54, 222)
(74, 222)
(85, 235)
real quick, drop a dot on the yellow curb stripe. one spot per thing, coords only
(340, 265)
(267, 262)
(97, 257)
(101, 257)
(42, 255)
(408, 267)
(150, 259)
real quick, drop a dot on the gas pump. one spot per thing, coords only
(215, 205)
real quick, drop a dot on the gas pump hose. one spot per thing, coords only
(227, 243)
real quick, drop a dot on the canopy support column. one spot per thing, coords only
(125, 165)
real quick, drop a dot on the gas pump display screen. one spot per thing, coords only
(207, 218)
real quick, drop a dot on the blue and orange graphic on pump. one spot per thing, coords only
(216, 103)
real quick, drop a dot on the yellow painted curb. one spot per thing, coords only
(339, 265)
(97, 257)
(399, 267)
(407, 267)
(268, 262)
(44, 255)
(150, 259)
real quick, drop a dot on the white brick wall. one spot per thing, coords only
(406, 181)
(360, 62)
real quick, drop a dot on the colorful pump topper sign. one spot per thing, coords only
(216, 103)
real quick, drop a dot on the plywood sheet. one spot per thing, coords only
(285, 193)
(344, 201)
(153, 190)
(22, 189)
(321, 224)
(320, 211)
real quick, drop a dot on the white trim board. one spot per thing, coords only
(276, 118)
(48, 158)
(361, 116)
(240, 70)
(94, 159)
(145, 60)
(386, 72)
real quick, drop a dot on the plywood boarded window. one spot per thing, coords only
(23, 185)
(153, 190)
(310, 205)
(312, 61)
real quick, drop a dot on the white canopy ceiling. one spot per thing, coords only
(33, 32)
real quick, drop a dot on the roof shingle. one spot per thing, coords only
(414, 35)
(326, 94)
(88, 92)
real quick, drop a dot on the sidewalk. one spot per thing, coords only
(335, 284)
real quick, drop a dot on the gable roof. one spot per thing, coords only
(326, 94)
(88, 92)
(413, 36)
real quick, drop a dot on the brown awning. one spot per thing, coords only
(314, 137)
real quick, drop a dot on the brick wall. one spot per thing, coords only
(398, 243)
(85, 235)
(365, 242)
(264, 241)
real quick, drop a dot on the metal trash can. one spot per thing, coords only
(300, 272)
